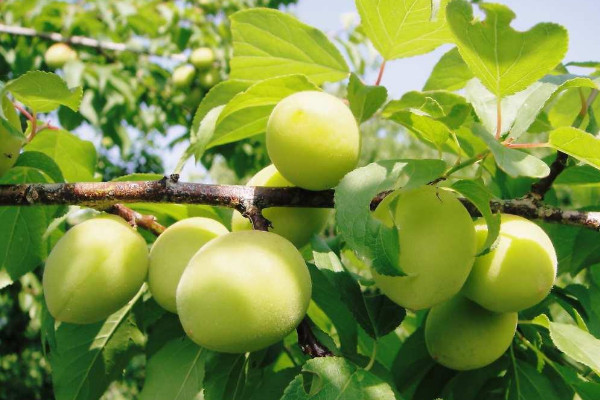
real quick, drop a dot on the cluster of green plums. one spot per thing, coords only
(244, 290)
(201, 65)
(474, 301)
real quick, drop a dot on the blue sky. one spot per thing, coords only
(580, 17)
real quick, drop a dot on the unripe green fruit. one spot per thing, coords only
(295, 224)
(172, 252)
(202, 57)
(437, 246)
(59, 54)
(461, 335)
(243, 291)
(183, 76)
(209, 78)
(313, 139)
(94, 270)
(518, 273)
(10, 146)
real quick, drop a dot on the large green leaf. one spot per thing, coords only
(364, 100)
(269, 43)
(337, 378)
(363, 233)
(248, 112)
(513, 162)
(75, 157)
(578, 344)
(44, 91)
(404, 28)
(576, 143)
(505, 60)
(450, 73)
(87, 358)
(175, 372)
(22, 247)
(527, 383)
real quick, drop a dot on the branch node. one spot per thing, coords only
(309, 343)
(174, 178)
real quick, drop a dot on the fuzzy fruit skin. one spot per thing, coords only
(171, 253)
(94, 270)
(202, 57)
(295, 224)
(59, 54)
(518, 273)
(437, 246)
(10, 146)
(183, 76)
(243, 291)
(461, 335)
(313, 139)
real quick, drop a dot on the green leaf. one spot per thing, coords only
(480, 196)
(225, 377)
(404, 28)
(44, 92)
(513, 162)
(527, 383)
(353, 195)
(364, 100)
(41, 161)
(579, 175)
(337, 378)
(22, 247)
(175, 372)
(9, 119)
(272, 385)
(219, 95)
(75, 157)
(248, 112)
(423, 125)
(269, 43)
(504, 60)
(205, 132)
(578, 344)
(412, 363)
(450, 73)
(520, 110)
(375, 313)
(576, 143)
(87, 358)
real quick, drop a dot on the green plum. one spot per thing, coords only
(183, 76)
(172, 252)
(202, 57)
(10, 146)
(295, 224)
(210, 78)
(461, 335)
(243, 291)
(518, 273)
(437, 246)
(94, 270)
(313, 139)
(59, 54)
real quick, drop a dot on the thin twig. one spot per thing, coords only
(380, 75)
(498, 118)
(136, 219)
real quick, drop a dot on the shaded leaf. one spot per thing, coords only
(577, 344)
(450, 73)
(576, 143)
(364, 100)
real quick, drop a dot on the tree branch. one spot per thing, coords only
(136, 219)
(248, 200)
(83, 41)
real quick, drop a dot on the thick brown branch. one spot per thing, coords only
(83, 41)
(136, 219)
(245, 199)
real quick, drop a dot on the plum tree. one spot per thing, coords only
(183, 76)
(10, 146)
(295, 224)
(461, 335)
(59, 54)
(313, 139)
(171, 253)
(518, 273)
(210, 78)
(437, 246)
(94, 270)
(243, 291)
(202, 57)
